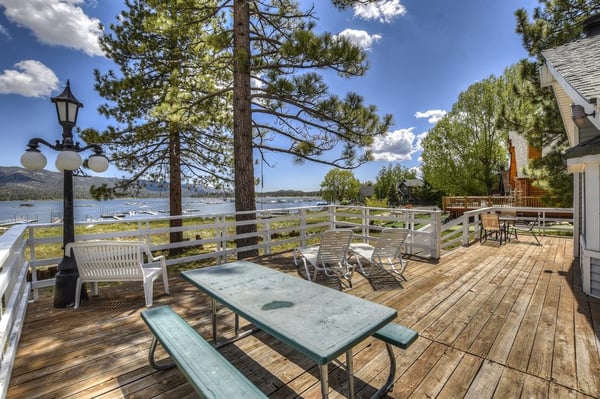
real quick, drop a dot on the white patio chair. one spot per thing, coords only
(385, 255)
(330, 256)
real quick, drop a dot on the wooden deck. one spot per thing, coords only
(495, 322)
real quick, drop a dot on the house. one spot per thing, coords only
(366, 191)
(515, 181)
(407, 190)
(573, 71)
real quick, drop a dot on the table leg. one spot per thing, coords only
(214, 321)
(238, 335)
(389, 384)
(350, 371)
(323, 369)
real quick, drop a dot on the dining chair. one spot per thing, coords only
(490, 225)
(386, 254)
(329, 257)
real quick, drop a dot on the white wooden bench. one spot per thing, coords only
(104, 261)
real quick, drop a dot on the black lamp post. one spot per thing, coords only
(67, 161)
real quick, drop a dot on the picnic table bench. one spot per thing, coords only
(211, 375)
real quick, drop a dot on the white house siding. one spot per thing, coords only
(595, 277)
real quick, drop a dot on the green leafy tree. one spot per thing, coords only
(464, 153)
(387, 181)
(169, 125)
(428, 195)
(340, 185)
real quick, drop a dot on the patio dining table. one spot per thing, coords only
(317, 321)
(507, 222)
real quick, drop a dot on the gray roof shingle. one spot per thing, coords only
(578, 63)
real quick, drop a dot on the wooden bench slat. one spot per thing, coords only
(204, 367)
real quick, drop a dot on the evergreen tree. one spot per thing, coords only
(170, 125)
(553, 23)
(274, 44)
(533, 112)
(243, 76)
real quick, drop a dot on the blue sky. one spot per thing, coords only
(422, 55)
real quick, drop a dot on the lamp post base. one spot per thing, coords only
(65, 284)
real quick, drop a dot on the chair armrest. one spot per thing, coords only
(157, 258)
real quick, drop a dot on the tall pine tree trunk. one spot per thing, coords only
(242, 128)
(175, 207)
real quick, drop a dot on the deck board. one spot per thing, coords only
(494, 322)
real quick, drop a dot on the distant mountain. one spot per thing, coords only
(19, 184)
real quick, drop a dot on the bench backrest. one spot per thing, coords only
(117, 259)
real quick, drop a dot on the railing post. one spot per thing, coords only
(365, 222)
(267, 238)
(466, 225)
(303, 227)
(437, 236)
(332, 214)
(31, 245)
(465, 229)
(221, 245)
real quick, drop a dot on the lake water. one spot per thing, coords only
(51, 210)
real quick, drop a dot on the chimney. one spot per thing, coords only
(591, 25)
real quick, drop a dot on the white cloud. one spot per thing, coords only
(417, 170)
(4, 32)
(56, 22)
(360, 38)
(433, 115)
(382, 10)
(419, 142)
(398, 145)
(30, 78)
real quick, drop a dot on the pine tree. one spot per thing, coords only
(245, 81)
(170, 126)
(553, 23)
(274, 44)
